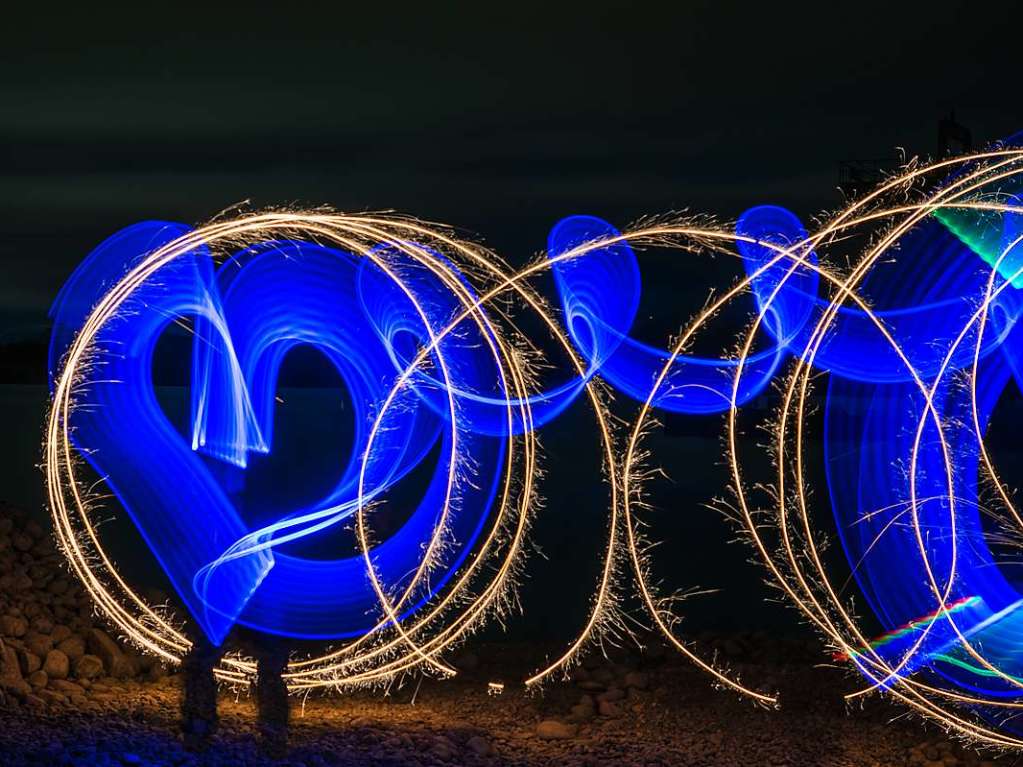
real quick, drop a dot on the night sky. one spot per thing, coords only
(496, 120)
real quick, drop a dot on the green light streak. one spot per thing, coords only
(981, 232)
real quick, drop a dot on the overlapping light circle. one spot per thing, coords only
(904, 303)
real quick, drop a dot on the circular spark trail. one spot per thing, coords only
(393, 644)
(914, 366)
(915, 673)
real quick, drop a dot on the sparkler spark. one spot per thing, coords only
(916, 335)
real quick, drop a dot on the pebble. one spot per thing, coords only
(73, 647)
(42, 625)
(59, 619)
(56, 665)
(60, 633)
(30, 662)
(582, 712)
(67, 687)
(552, 729)
(38, 678)
(479, 745)
(46, 620)
(39, 644)
(13, 626)
(88, 667)
(611, 695)
(636, 680)
(443, 749)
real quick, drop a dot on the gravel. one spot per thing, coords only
(72, 694)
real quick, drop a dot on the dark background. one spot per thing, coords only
(498, 119)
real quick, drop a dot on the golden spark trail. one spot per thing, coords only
(481, 588)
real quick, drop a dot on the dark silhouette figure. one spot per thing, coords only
(271, 654)
(199, 703)
(199, 699)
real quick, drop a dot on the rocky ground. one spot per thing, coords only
(70, 694)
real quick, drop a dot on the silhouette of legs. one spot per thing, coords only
(199, 702)
(272, 694)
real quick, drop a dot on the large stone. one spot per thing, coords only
(30, 661)
(56, 665)
(73, 647)
(88, 667)
(106, 649)
(10, 671)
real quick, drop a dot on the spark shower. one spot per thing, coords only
(898, 314)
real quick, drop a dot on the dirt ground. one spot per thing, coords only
(72, 694)
(635, 710)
